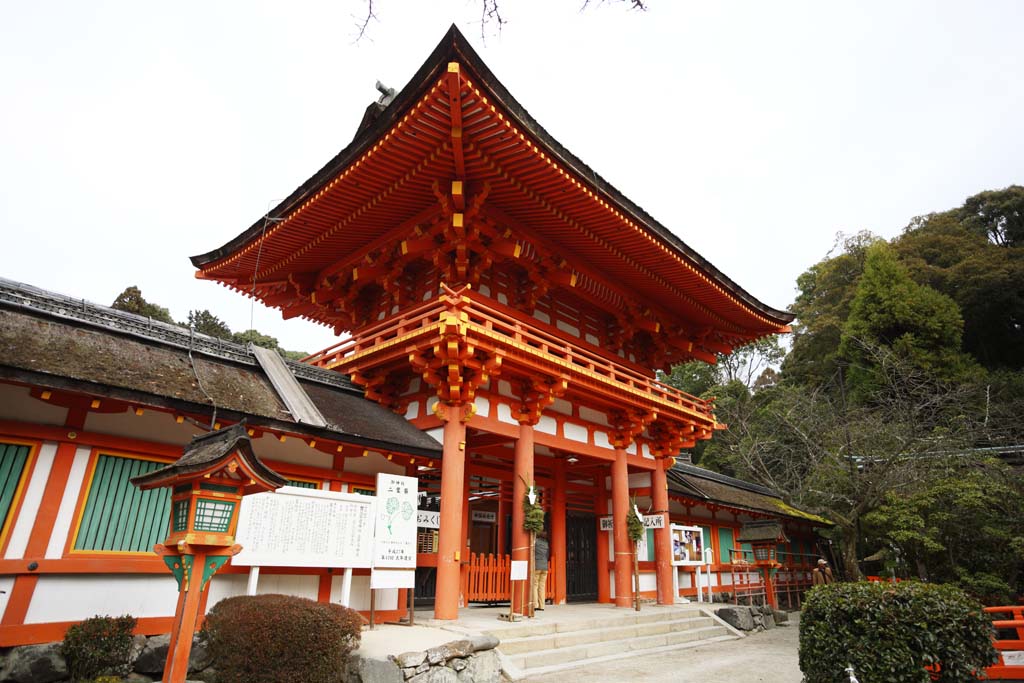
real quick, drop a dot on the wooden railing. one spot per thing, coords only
(1009, 642)
(516, 337)
(488, 579)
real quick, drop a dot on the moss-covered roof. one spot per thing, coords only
(44, 342)
(691, 481)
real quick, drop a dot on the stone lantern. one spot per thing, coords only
(764, 537)
(207, 485)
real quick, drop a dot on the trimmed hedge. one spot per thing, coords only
(98, 646)
(281, 639)
(891, 633)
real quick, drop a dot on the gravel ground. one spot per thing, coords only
(768, 657)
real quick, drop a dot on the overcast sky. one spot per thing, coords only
(136, 134)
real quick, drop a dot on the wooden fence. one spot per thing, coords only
(488, 579)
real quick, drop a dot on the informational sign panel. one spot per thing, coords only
(650, 522)
(687, 545)
(517, 570)
(392, 578)
(428, 519)
(395, 535)
(485, 516)
(296, 527)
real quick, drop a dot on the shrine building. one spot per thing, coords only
(502, 312)
(500, 295)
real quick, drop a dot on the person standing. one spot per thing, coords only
(539, 583)
(822, 574)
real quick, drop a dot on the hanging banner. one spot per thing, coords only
(428, 519)
(650, 522)
(395, 533)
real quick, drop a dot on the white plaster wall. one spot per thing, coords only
(152, 425)
(505, 414)
(292, 450)
(73, 597)
(566, 327)
(229, 585)
(373, 463)
(639, 480)
(483, 406)
(6, 586)
(648, 581)
(387, 598)
(431, 402)
(560, 405)
(412, 410)
(17, 404)
(504, 388)
(542, 316)
(575, 432)
(547, 425)
(30, 503)
(437, 434)
(595, 416)
(66, 512)
(601, 440)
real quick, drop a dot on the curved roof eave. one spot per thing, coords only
(455, 47)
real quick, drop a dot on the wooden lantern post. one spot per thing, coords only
(764, 537)
(208, 483)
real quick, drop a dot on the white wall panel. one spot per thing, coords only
(30, 503)
(75, 597)
(66, 513)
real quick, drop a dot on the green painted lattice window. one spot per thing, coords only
(180, 515)
(12, 465)
(213, 515)
(303, 484)
(726, 542)
(119, 517)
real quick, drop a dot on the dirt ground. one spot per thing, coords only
(768, 657)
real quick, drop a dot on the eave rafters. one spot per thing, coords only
(454, 132)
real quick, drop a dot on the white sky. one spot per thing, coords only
(136, 134)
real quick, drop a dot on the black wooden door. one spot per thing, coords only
(580, 557)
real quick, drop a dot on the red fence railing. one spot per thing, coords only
(488, 579)
(1009, 643)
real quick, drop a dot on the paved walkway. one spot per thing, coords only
(768, 657)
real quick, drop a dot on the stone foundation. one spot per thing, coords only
(473, 660)
(744, 618)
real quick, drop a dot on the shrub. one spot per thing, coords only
(98, 646)
(891, 633)
(280, 639)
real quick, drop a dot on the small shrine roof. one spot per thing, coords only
(205, 450)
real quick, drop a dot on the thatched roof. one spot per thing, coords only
(694, 482)
(55, 342)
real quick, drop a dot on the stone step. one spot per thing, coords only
(567, 638)
(563, 666)
(585, 653)
(542, 625)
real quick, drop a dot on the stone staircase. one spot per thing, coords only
(548, 643)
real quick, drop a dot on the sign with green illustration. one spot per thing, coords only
(395, 533)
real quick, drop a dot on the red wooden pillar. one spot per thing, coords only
(449, 542)
(558, 531)
(502, 511)
(662, 537)
(522, 472)
(464, 540)
(621, 508)
(604, 593)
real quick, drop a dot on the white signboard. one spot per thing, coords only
(518, 570)
(687, 545)
(428, 519)
(485, 516)
(1013, 657)
(650, 522)
(392, 578)
(297, 527)
(395, 535)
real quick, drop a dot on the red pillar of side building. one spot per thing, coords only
(621, 508)
(604, 593)
(663, 536)
(558, 509)
(522, 472)
(450, 541)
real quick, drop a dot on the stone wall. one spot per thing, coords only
(756, 618)
(45, 663)
(473, 660)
